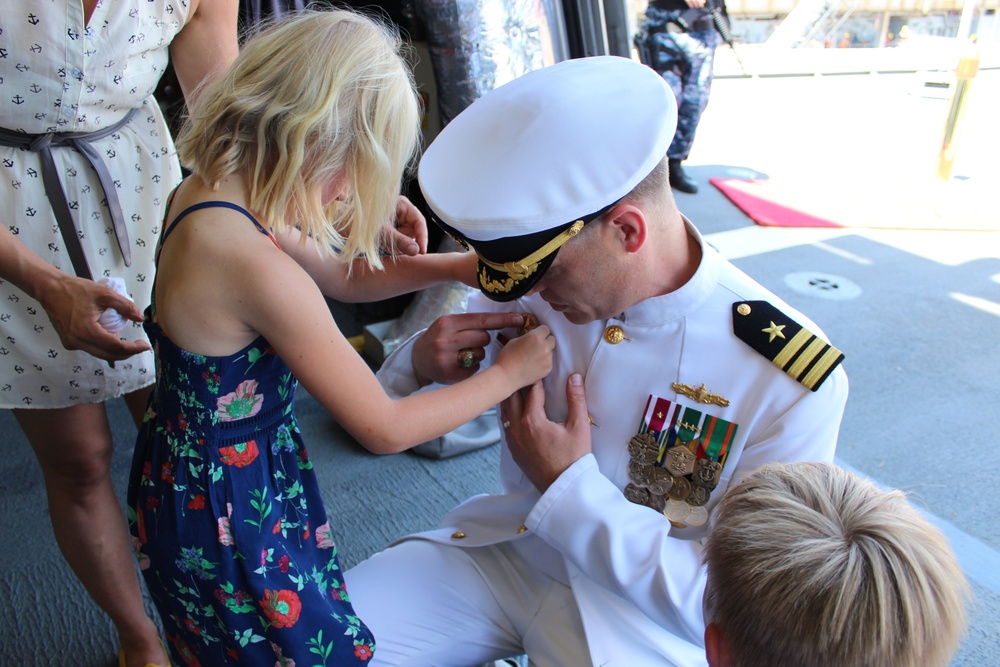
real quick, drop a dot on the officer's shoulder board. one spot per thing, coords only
(800, 353)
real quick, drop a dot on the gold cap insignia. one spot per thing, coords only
(519, 270)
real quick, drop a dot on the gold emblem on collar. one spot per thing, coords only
(699, 395)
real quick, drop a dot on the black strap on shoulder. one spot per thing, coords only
(800, 353)
(214, 204)
(183, 214)
(204, 205)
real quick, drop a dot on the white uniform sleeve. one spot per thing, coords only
(396, 374)
(806, 432)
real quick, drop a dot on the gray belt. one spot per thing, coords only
(80, 141)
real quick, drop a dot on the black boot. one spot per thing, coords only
(679, 180)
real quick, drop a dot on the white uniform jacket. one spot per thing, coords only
(638, 580)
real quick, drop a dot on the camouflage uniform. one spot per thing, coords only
(685, 61)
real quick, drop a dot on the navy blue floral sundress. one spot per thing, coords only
(226, 516)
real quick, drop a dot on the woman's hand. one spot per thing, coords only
(74, 305)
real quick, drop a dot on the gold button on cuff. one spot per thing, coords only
(522, 528)
(743, 309)
(457, 535)
(614, 334)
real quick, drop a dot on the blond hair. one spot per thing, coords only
(318, 96)
(809, 564)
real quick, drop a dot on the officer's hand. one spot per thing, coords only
(436, 353)
(541, 448)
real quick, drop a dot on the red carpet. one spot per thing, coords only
(873, 203)
(761, 201)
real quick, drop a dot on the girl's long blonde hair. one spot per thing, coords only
(318, 96)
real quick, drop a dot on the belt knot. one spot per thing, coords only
(41, 142)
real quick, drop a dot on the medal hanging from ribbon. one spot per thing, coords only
(677, 457)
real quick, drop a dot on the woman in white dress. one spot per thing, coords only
(87, 163)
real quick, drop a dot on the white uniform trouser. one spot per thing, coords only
(436, 605)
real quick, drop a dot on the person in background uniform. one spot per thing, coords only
(809, 564)
(87, 162)
(680, 40)
(695, 375)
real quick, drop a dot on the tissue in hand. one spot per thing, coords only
(111, 319)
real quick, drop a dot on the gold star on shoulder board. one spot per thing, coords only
(775, 330)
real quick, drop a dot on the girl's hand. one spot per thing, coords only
(528, 358)
(409, 235)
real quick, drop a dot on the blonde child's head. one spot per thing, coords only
(321, 102)
(809, 564)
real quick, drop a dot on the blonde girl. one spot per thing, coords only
(299, 149)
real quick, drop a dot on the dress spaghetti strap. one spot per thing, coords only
(191, 209)
(213, 204)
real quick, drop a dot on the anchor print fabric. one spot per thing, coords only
(58, 74)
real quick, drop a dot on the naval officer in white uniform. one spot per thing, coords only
(694, 376)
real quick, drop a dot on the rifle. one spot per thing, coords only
(722, 27)
(688, 21)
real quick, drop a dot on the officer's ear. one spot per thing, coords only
(629, 225)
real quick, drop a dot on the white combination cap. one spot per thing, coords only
(524, 167)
